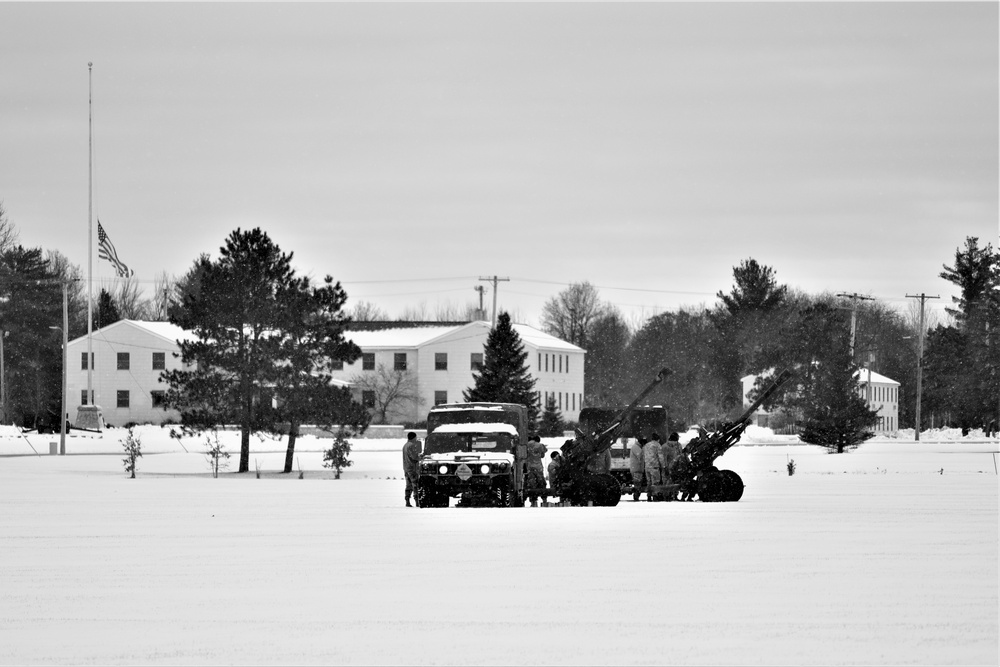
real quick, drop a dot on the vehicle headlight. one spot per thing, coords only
(485, 468)
(503, 465)
(443, 469)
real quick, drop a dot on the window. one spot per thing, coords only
(368, 361)
(83, 397)
(368, 399)
(560, 363)
(567, 363)
(123, 364)
(539, 361)
(477, 361)
(399, 361)
(546, 363)
(123, 398)
(83, 360)
(440, 397)
(159, 361)
(158, 397)
(440, 361)
(337, 365)
(560, 400)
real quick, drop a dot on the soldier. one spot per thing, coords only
(411, 465)
(635, 466)
(651, 452)
(554, 469)
(534, 477)
(600, 463)
(669, 454)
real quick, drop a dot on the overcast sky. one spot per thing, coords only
(409, 149)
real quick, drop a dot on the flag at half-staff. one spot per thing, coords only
(106, 250)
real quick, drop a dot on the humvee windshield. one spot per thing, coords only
(445, 442)
(471, 430)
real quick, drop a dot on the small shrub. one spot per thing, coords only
(133, 451)
(217, 454)
(336, 456)
(791, 467)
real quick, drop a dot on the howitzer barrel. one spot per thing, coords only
(606, 438)
(775, 385)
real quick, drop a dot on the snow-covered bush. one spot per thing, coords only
(216, 453)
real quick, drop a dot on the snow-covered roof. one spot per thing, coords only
(541, 339)
(395, 338)
(863, 375)
(165, 330)
(476, 428)
(412, 337)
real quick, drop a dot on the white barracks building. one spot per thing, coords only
(129, 355)
(443, 358)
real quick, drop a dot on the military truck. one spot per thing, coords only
(474, 452)
(643, 421)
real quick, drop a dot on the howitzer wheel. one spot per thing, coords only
(609, 490)
(710, 486)
(732, 486)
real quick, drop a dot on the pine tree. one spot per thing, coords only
(551, 424)
(505, 377)
(235, 314)
(107, 311)
(836, 415)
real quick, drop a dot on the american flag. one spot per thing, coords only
(106, 250)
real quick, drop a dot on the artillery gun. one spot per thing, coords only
(576, 480)
(695, 470)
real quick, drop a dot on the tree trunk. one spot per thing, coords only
(247, 417)
(293, 432)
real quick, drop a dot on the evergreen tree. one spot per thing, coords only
(836, 415)
(551, 424)
(107, 311)
(236, 316)
(313, 324)
(963, 361)
(31, 306)
(505, 376)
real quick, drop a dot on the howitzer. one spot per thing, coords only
(696, 471)
(580, 479)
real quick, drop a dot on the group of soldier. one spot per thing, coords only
(654, 463)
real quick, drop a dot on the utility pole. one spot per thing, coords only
(481, 289)
(920, 357)
(494, 280)
(854, 314)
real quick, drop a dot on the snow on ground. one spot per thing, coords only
(885, 555)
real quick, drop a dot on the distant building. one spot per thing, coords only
(443, 356)
(128, 357)
(880, 393)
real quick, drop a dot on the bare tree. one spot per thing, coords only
(8, 233)
(129, 299)
(570, 314)
(366, 311)
(453, 312)
(416, 313)
(157, 306)
(391, 390)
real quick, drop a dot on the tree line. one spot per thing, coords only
(760, 326)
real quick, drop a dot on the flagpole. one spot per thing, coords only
(90, 230)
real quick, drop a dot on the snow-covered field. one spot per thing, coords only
(886, 555)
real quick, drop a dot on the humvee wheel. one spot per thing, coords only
(608, 489)
(429, 498)
(732, 486)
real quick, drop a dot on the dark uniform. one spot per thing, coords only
(411, 463)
